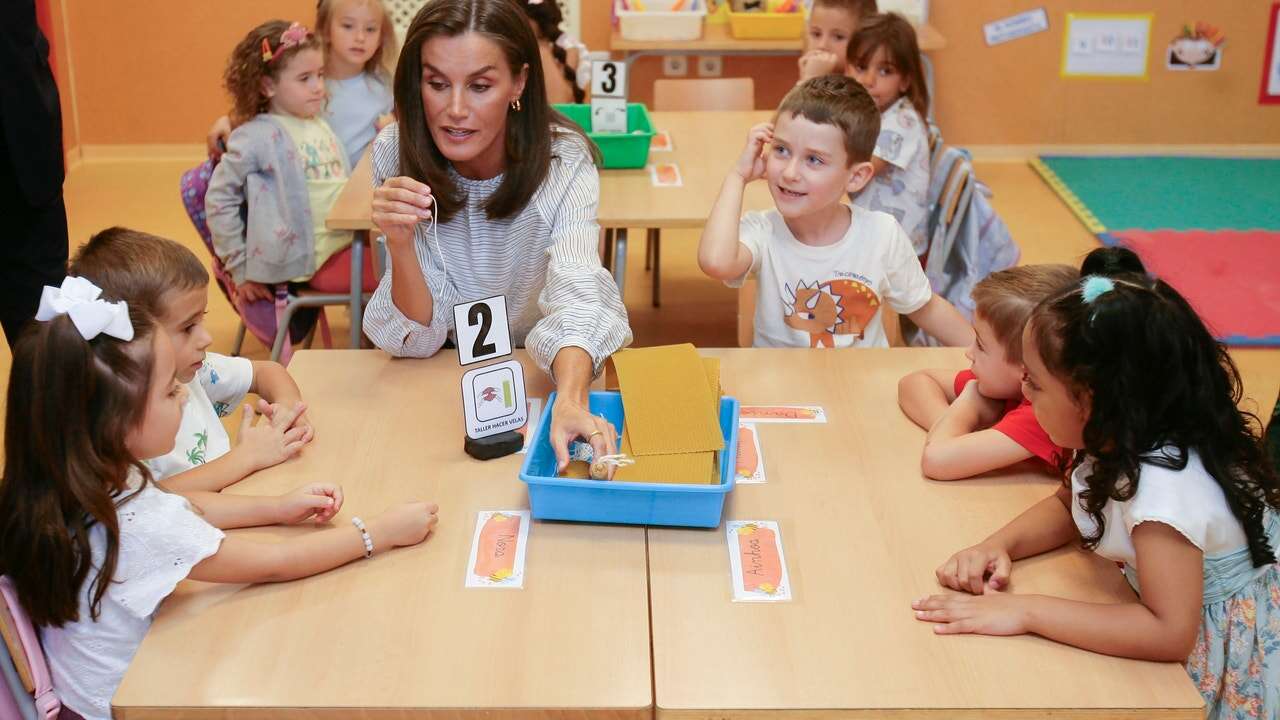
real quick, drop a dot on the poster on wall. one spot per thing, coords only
(1270, 93)
(1014, 27)
(1104, 45)
(1197, 47)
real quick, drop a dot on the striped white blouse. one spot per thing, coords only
(545, 259)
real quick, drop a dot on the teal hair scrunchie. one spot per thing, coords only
(1094, 286)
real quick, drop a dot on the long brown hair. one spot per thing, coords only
(1159, 385)
(529, 131)
(895, 34)
(246, 68)
(383, 62)
(71, 404)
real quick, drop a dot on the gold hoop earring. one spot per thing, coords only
(515, 104)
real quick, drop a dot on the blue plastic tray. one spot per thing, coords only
(630, 503)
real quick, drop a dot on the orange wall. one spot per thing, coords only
(149, 72)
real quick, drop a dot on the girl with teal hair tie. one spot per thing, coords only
(1169, 479)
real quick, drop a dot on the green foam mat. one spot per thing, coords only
(1172, 193)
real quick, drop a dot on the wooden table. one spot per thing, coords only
(399, 636)
(716, 40)
(706, 144)
(862, 535)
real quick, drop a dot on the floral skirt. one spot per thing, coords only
(1236, 661)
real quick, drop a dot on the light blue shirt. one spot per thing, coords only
(354, 105)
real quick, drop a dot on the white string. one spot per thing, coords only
(432, 229)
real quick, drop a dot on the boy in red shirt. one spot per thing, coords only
(978, 419)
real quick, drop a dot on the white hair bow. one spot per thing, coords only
(92, 316)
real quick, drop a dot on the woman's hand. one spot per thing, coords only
(751, 163)
(979, 569)
(398, 206)
(571, 420)
(996, 613)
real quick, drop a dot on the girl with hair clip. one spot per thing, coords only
(514, 188)
(885, 58)
(90, 543)
(562, 54)
(1169, 478)
(284, 162)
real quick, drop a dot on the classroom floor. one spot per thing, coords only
(143, 194)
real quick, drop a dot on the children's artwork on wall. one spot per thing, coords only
(1197, 47)
(1104, 45)
(1270, 93)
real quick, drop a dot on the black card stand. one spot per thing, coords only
(494, 446)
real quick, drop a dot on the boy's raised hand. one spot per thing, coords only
(751, 164)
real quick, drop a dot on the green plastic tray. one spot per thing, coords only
(618, 150)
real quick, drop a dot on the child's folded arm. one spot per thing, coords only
(970, 454)
(925, 394)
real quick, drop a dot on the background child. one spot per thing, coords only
(1170, 479)
(90, 544)
(824, 268)
(830, 25)
(884, 57)
(284, 155)
(360, 61)
(165, 280)
(988, 423)
(561, 53)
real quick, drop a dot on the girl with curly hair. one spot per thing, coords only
(284, 162)
(1169, 479)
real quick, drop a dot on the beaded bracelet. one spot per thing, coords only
(364, 534)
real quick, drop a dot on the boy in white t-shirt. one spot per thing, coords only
(170, 283)
(824, 269)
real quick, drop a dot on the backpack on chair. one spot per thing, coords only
(32, 695)
(260, 317)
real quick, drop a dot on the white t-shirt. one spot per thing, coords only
(903, 189)
(830, 296)
(218, 387)
(161, 539)
(1188, 500)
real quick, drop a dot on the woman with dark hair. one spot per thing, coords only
(482, 189)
